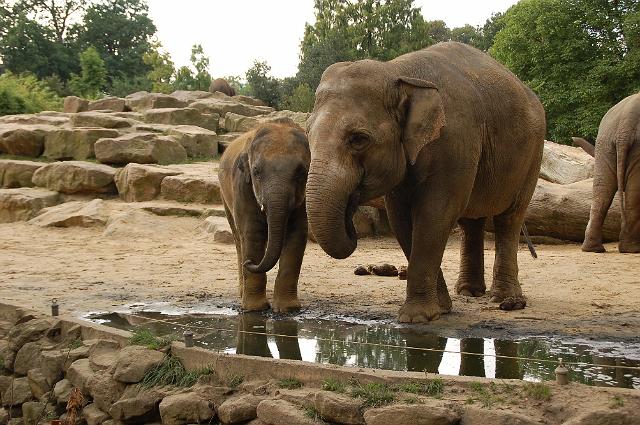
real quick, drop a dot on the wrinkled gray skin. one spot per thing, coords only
(262, 178)
(447, 135)
(616, 169)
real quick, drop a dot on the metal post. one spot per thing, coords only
(188, 338)
(55, 308)
(562, 373)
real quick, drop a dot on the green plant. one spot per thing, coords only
(146, 338)
(24, 94)
(373, 394)
(76, 343)
(432, 388)
(616, 402)
(538, 390)
(487, 397)
(289, 383)
(334, 385)
(312, 413)
(93, 77)
(235, 381)
(412, 400)
(172, 373)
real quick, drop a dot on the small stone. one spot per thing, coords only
(28, 357)
(338, 408)
(402, 273)
(361, 271)
(73, 214)
(383, 269)
(62, 391)
(38, 384)
(239, 409)
(79, 374)
(93, 415)
(74, 104)
(104, 390)
(184, 409)
(33, 412)
(137, 406)
(134, 361)
(220, 228)
(275, 412)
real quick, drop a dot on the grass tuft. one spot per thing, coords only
(76, 343)
(413, 400)
(289, 384)
(146, 338)
(373, 394)
(312, 413)
(487, 397)
(235, 381)
(171, 373)
(433, 388)
(538, 390)
(616, 402)
(334, 385)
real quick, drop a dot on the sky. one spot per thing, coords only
(234, 33)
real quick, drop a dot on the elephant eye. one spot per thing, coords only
(256, 172)
(358, 140)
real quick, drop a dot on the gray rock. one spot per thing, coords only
(137, 406)
(338, 408)
(221, 107)
(38, 384)
(185, 408)
(240, 123)
(22, 140)
(275, 412)
(220, 228)
(76, 177)
(99, 119)
(417, 414)
(74, 143)
(104, 389)
(79, 374)
(134, 361)
(29, 331)
(141, 148)
(73, 104)
(102, 354)
(93, 415)
(34, 412)
(197, 142)
(73, 214)
(142, 101)
(186, 188)
(23, 204)
(62, 391)
(182, 116)
(137, 183)
(17, 392)
(28, 357)
(14, 174)
(109, 103)
(239, 409)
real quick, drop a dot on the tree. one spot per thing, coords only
(162, 69)
(56, 13)
(263, 86)
(468, 34)
(301, 99)
(93, 77)
(202, 78)
(580, 56)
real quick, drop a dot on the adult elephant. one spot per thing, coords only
(446, 134)
(221, 85)
(616, 168)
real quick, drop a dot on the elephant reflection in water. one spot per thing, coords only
(253, 339)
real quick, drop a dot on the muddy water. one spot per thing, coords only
(388, 346)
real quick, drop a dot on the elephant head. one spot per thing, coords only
(369, 122)
(276, 164)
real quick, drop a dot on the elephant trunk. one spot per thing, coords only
(330, 210)
(277, 218)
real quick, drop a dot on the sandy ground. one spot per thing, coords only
(169, 259)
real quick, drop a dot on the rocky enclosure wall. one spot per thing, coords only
(47, 361)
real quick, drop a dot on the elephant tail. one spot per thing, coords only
(525, 233)
(621, 167)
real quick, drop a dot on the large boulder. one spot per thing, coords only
(134, 361)
(248, 100)
(17, 392)
(477, 416)
(186, 408)
(417, 414)
(338, 408)
(225, 140)
(76, 177)
(62, 391)
(275, 412)
(110, 103)
(141, 101)
(34, 412)
(80, 374)
(137, 405)
(141, 148)
(198, 142)
(220, 229)
(239, 409)
(14, 174)
(23, 140)
(239, 123)
(99, 119)
(74, 104)
(182, 116)
(43, 119)
(191, 95)
(74, 143)
(104, 390)
(604, 417)
(565, 164)
(221, 107)
(93, 415)
(137, 183)
(24, 203)
(28, 357)
(185, 188)
(38, 384)
(73, 214)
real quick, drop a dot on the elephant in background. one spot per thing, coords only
(432, 131)
(262, 178)
(616, 169)
(221, 85)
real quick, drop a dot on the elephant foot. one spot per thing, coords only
(444, 300)
(286, 305)
(588, 246)
(502, 292)
(470, 289)
(513, 303)
(628, 247)
(419, 312)
(255, 304)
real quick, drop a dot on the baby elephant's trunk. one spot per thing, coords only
(277, 218)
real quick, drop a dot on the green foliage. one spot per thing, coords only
(616, 401)
(162, 69)
(486, 395)
(76, 343)
(186, 79)
(123, 86)
(146, 338)
(538, 390)
(432, 388)
(172, 373)
(93, 77)
(301, 99)
(24, 94)
(580, 57)
(373, 394)
(311, 413)
(235, 381)
(334, 385)
(290, 383)
(263, 86)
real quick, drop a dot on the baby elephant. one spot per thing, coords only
(262, 176)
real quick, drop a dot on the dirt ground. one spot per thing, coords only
(169, 259)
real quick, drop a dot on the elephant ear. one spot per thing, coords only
(243, 168)
(423, 115)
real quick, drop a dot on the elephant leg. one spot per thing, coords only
(433, 217)
(605, 185)
(399, 214)
(630, 232)
(254, 296)
(505, 287)
(471, 277)
(236, 239)
(285, 295)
